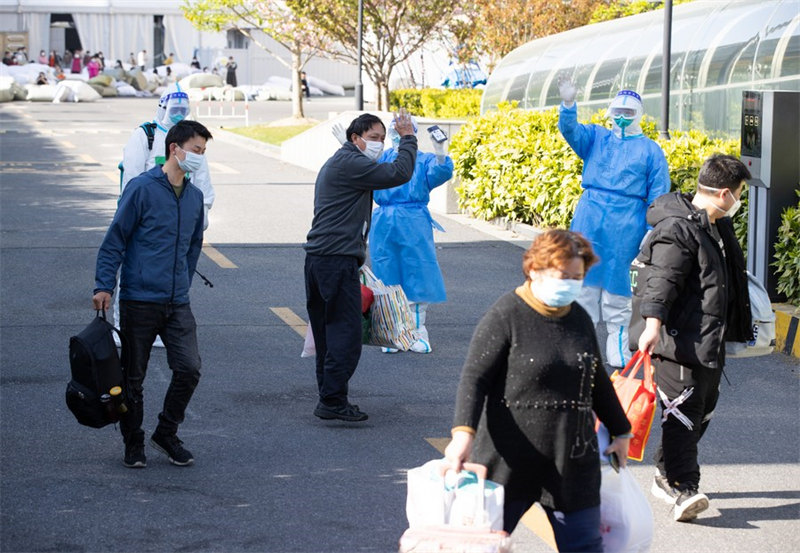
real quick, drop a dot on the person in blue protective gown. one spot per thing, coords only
(401, 243)
(623, 172)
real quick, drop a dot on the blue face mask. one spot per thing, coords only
(621, 121)
(176, 118)
(556, 292)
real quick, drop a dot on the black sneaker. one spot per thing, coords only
(662, 489)
(347, 412)
(689, 504)
(173, 448)
(134, 456)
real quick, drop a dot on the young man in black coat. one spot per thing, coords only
(690, 297)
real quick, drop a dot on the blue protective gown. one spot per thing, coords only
(621, 178)
(401, 243)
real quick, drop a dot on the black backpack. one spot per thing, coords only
(96, 392)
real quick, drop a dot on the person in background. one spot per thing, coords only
(155, 241)
(132, 59)
(623, 172)
(118, 65)
(169, 59)
(41, 78)
(101, 60)
(8, 59)
(230, 71)
(42, 57)
(21, 57)
(66, 61)
(336, 247)
(690, 297)
(93, 67)
(54, 59)
(401, 245)
(304, 85)
(87, 57)
(76, 61)
(59, 73)
(531, 383)
(195, 63)
(141, 59)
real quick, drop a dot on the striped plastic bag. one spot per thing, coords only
(389, 322)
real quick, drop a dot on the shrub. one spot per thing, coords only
(787, 254)
(437, 103)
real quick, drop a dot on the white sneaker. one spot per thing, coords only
(421, 346)
(389, 350)
(158, 343)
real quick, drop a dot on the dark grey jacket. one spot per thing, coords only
(343, 197)
(682, 278)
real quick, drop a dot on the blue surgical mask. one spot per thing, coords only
(176, 117)
(555, 292)
(621, 121)
(192, 163)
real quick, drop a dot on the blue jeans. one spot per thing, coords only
(140, 323)
(578, 531)
(333, 300)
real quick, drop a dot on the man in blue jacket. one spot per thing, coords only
(156, 236)
(336, 246)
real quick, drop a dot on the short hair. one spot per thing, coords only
(723, 171)
(554, 248)
(362, 124)
(182, 132)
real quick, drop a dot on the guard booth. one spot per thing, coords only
(771, 151)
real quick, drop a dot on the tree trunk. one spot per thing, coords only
(383, 96)
(297, 89)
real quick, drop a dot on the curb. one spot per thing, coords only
(787, 329)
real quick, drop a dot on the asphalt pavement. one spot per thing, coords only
(269, 476)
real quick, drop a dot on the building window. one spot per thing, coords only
(237, 40)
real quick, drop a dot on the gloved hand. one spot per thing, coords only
(440, 150)
(567, 90)
(339, 133)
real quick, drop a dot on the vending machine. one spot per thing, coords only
(771, 151)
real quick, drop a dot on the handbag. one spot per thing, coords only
(763, 321)
(462, 516)
(638, 399)
(626, 519)
(390, 322)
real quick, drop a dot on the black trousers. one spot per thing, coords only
(333, 301)
(676, 456)
(141, 322)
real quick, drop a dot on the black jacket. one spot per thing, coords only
(682, 277)
(343, 197)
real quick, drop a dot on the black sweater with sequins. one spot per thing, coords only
(529, 386)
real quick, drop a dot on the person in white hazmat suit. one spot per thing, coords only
(138, 156)
(401, 244)
(623, 172)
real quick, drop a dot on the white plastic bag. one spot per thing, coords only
(763, 324)
(469, 500)
(309, 348)
(626, 520)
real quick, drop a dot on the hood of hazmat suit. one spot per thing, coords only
(173, 106)
(626, 111)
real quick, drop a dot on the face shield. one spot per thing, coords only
(394, 136)
(626, 112)
(172, 107)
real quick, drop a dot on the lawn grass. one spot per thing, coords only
(271, 135)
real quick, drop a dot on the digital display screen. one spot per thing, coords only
(751, 123)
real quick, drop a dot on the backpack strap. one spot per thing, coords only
(150, 132)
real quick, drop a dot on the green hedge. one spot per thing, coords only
(787, 254)
(437, 103)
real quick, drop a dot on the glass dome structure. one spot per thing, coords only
(719, 49)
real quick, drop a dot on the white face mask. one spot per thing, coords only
(555, 292)
(192, 163)
(731, 211)
(373, 149)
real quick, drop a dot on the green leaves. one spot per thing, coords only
(787, 254)
(434, 102)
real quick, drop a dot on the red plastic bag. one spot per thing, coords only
(638, 400)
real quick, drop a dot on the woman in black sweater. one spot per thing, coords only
(531, 380)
